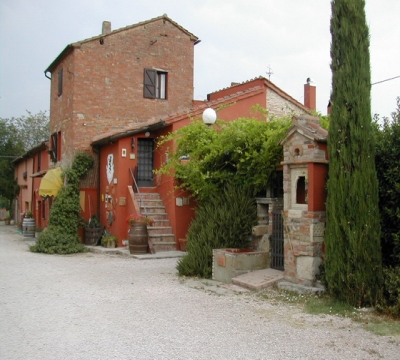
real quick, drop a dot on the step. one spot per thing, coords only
(148, 196)
(152, 209)
(164, 246)
(155, 230)
(162, 238)
(147, 202)
(160, 223)
(158, 216)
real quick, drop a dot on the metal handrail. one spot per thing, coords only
(138, 191)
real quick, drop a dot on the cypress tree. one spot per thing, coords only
(353, 254)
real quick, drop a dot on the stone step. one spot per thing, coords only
(158, 216)
(154, 230)
(164, 246)
(148, 196)
(147, 203)
(161, 238)
(152, 209)
(161, 222)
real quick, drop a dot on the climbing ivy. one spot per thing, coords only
(244, 152)
(61, 236)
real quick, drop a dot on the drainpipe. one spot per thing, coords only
(45, 74)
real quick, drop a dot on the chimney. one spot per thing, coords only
(106, 29)
(310, 95)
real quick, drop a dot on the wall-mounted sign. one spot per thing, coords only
(110, 168)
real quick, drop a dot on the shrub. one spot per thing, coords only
(391, 292)
(224, 221)
(61, 236)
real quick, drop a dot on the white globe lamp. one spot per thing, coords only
(209, 116)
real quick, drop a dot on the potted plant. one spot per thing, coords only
(109, 241)
(138, 234)
(93, 231)
(139, 219)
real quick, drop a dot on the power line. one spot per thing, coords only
(386, 80)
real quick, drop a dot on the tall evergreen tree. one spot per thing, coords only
(353, 254)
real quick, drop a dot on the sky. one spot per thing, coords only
(286, 41)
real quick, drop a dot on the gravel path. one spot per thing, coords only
(95, 306)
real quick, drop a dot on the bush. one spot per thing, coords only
(54, 240)
(61, 236)
(224, 221)
(391, 292)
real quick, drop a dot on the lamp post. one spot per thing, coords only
(209, 116)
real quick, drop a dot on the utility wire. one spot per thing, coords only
(386, 80)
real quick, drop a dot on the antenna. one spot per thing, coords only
(269, 72)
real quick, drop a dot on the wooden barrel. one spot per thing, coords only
(138, 238)
(93, 235)
(28, 227)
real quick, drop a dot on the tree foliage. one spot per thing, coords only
(353, 253)
(32, 129)
(61, 236)
(388, 170)
(17, 135)
(244, 152)
(223, 221)
(10, 146)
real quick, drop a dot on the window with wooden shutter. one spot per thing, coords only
(150, 83)
(53, 150)
(60, 82)
(155, 84)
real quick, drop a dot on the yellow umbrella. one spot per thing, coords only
(51, 182)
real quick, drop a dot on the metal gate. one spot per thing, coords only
(145, 162)
(277, 241)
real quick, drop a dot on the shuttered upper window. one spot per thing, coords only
(155, 84)
(60, 82)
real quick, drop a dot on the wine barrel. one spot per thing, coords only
(28, 227)
(138, 238)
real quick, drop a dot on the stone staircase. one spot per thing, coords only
(160, 233)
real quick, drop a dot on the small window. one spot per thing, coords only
(55, 151)
(39, 161)
(60, 82)
(155, 84)
(301, 190)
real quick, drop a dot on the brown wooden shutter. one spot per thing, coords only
(149, 89)
(60, 82)
(53, 151)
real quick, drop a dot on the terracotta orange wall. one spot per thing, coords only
(317, 174)
(179, 216)
(243, 108)
(118, 191)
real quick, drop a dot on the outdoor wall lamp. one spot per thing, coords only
(209, 116)
(133, 143)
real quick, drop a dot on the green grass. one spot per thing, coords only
(324, 305)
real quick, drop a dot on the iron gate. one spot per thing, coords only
(277, 241)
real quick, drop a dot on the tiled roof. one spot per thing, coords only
(308, 126)
(270, 85)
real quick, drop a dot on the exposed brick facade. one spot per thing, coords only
(103, 81)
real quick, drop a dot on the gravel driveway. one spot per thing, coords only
(95, 306)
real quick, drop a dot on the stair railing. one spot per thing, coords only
(136, 186)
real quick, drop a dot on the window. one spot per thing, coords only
(55, 151)
(39, 161)
(60, 82)
(301, 190)
(155, 84)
